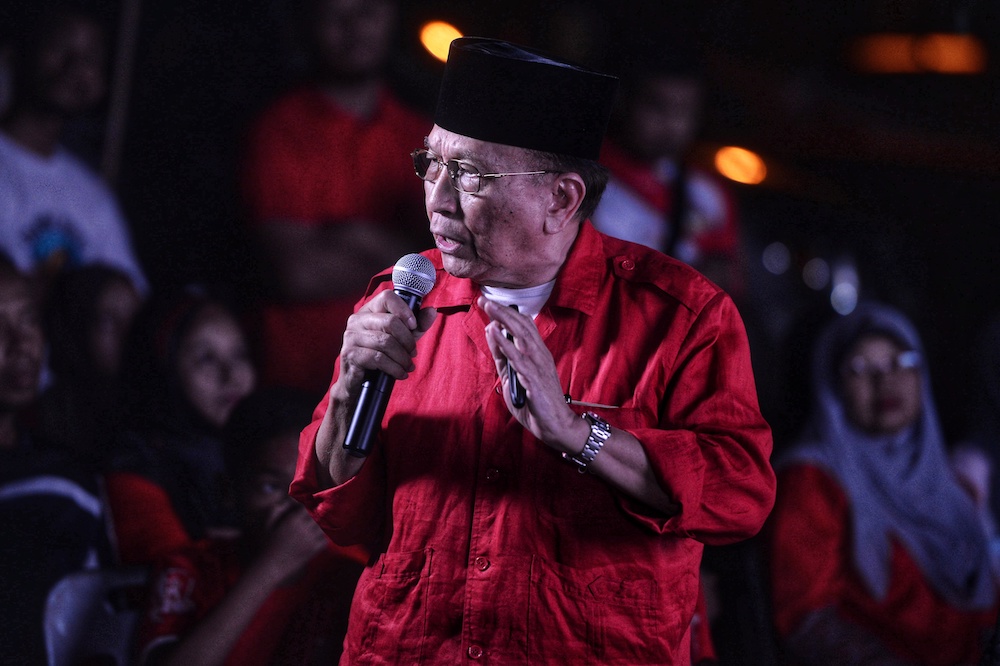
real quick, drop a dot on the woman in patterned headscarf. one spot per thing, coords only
(877, 553)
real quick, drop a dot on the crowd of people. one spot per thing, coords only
(187, 431)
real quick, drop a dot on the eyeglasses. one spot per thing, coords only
(464, 177)
(860, 367)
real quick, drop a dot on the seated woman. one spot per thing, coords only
(281, 592)
(876, 552)
(187, 365)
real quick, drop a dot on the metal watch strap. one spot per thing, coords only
(600, 431)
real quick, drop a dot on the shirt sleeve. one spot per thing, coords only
(144, 521)
(711, 449)
(351, 513)
(172, 606)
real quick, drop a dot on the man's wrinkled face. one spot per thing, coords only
(495, 236)
(22, 344)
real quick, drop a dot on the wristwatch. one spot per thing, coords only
(600, 431)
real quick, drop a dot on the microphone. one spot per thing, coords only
(517, 395)
(412, 278)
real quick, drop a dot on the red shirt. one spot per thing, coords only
(311, 163)
(812, 568)
(299, 622)
(497, 549)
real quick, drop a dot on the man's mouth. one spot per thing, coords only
(446, 243)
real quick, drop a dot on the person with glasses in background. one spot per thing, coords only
(877, 554)
(563, 523)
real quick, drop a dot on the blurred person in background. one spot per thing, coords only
(656, 196)
(330, 193)
(88, 316)
(187, 365)
(877, 554)
(278, 593)
(51, 517)
(55, 212)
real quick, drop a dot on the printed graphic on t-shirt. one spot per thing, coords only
(174, 591)
(55, 243)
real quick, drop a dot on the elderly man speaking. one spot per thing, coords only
(617, 361)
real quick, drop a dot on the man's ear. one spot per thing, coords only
(567, 191)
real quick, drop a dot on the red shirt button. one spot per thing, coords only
(492, 474)
(482, 563)
(475, 652)
(628, 264)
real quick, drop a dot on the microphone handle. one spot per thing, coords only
(367, 419)
(517, 395)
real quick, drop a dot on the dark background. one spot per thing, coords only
(896, 174)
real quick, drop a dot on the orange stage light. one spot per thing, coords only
(741, 165)
(436, 37)
(896, 53)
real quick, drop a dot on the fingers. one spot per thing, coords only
(383, 335)
(394, 305)
(425, 318)
(500, 347)
(517, 324)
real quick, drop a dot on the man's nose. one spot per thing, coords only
(440, 194)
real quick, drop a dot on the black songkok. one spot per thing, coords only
(503, 93)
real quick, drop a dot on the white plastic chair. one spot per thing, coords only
(94, 613)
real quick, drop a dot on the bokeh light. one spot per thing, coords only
(846, 286)
(898, 53)
(776, 258)
(436, 37)
(816, 273)
(741, 165)
(950, 54)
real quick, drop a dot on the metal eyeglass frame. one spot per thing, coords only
(452, 167)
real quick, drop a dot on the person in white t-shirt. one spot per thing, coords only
(55, 212)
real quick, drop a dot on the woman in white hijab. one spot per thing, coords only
(877, 555)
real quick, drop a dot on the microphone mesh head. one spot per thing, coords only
(414, 273)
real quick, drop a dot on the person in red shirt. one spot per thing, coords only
(491, 545)
(277, 594)
(877, 554)
(329, 191)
